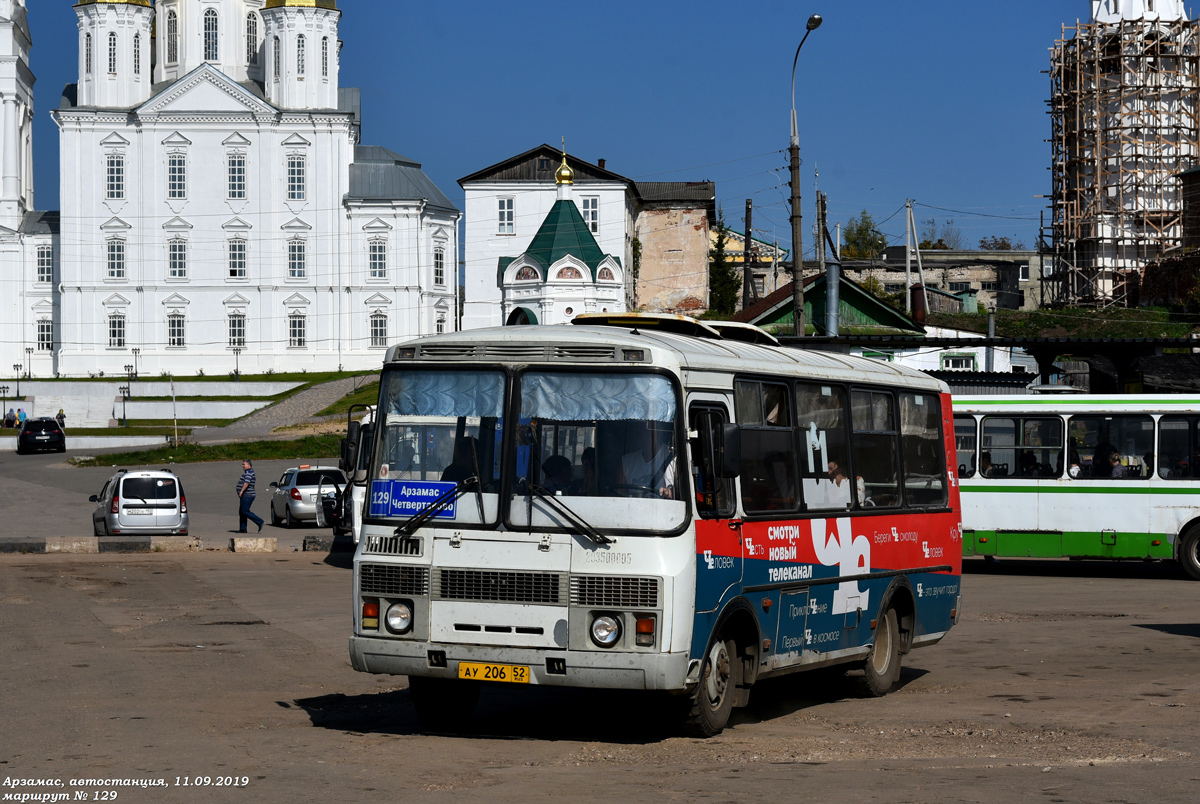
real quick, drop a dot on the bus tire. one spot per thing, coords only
(881, 670)
(1189, 553)
(719, 680)
(443, 704)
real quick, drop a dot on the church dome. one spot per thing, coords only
(564, 174)
(301, 4)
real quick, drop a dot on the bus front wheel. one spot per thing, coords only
(1189, 553)
(719, 680)
(443, 704)
(881, 670)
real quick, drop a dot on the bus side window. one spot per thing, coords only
(1177, 448)
(826, 479)
(768, 471)
(965, 442)
(1022, 447)
(874, 446)
(921, 445)
(1113, 447)
(714, 494)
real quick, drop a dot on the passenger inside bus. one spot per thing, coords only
(466, 457)
(648, 467)
(557, 472)
(587, 485)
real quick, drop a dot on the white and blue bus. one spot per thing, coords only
(650, 503)
(1109, 477)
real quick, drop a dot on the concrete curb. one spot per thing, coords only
(101, 544)
(252, 544)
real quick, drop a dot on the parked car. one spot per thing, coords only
(294, 495)
(42, 433)
(150, 503)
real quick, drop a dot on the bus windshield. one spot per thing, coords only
(604, 445)
(439, 429)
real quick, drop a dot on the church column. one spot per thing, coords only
(12, 145)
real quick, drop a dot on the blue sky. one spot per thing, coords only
(942, 101)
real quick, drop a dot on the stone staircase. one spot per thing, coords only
(81, 411)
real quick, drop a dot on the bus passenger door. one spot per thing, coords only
(718, 530)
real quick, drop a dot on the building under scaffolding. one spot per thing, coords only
(1123, 105)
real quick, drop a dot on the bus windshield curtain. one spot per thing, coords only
(446, 393)
(591, 397)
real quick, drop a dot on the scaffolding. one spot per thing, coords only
(1123, 106)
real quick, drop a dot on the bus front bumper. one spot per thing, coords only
(630, 671)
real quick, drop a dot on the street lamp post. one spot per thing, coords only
(136, 351)
(17, 371)
(4, 402)
(237, 363)
(124, 392)
(814, 22)
(129, 379)
(29, 362)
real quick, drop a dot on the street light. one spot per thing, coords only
(124, 392)
(29, 362)
(17, 371)
(814, 22)
(4, 401)
(129, 378)
(237, 363)
(136, 351)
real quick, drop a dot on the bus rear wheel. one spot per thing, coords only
(1189, 553)
(881, 670)
(443, 704)
(719, 680)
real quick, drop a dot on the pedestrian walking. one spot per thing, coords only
(21, 417)
(61, 418)
(245, 492)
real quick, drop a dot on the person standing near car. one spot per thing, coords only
(245, 492)
(21, 417)
(61, 418)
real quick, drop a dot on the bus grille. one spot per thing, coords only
(604, 590)
(393, 545)
(500, 587)
(392, 579)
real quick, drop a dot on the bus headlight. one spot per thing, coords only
(606, 630)
(399, 618)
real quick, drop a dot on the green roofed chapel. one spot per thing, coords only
(563, 272)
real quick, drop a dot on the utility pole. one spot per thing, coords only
(813, 23)
(747, 276)
(833, 272)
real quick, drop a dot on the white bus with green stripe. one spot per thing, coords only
(1114, 477)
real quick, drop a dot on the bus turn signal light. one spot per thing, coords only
(645, 631)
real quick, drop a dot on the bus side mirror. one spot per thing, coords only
(729, 451)
(360, 450)
(350, 448)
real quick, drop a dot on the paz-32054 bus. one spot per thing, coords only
(650, 503)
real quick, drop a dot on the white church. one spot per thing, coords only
(218, 209)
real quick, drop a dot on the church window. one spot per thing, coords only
(237, 258)
(379, 328)
(115, 177)
(570, 272)
(237, 177)
(172, 37)
(297, 330)
(176, 330)
(116, 258)
(441, 324)
(176, 176)
(237, 330)
(297, 259)
(606, 273)
(45, 335)
(377, 257)
(506, 216)
(295, 177)
(137, 55)
(526, 273)
(300, 40)
(276, 61)
(325, 57)
(87, 54)
(251, 38)
(211, 35)
(177, 258)
(112, 54)
(439, 267)
(45, 264)
(116, 331)
(591, 213)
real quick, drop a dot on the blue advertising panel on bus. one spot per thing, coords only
(408, 498)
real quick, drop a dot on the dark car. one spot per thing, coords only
(41, 434)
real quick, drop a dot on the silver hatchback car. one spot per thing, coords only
(294, 495)
(150, 503)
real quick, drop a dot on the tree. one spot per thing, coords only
(723, 284)
(863, 240)
(947, 236)
(994, 243)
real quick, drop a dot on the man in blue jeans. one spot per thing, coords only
(245, 492)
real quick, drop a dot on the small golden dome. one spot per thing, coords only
(564, 174)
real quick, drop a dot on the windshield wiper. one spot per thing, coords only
(565, 511)
(423, 516)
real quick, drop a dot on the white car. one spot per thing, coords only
(294, 495)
